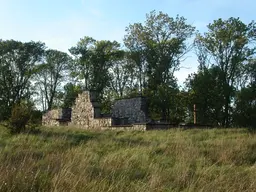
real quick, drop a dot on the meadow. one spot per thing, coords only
(66, 159)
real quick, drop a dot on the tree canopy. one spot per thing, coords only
(223, 87)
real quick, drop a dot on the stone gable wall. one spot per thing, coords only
(131, 111)
(83, 114)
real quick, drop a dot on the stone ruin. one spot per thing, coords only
(57, 117)
(86, 112)
(128, 113)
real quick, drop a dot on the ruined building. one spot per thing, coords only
(130, 111)
(126, 113)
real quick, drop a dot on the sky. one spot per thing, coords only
(61, 23)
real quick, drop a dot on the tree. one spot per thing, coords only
(17, 66)
(157, 48)
(245, 100)
(228, 45)
(94, 59)
(71, 92)
(82, 65)
(136, 52)
(122, 76)
(250, 72)
(51, 74)
(205, 90)
(105, 54)
(245, 107)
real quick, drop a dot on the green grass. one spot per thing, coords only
(61, 159)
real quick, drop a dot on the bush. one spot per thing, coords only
(36, 117)
(19, 117)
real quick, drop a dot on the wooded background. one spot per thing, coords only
(223, 88)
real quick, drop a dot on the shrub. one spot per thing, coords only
(19, 117)
(36, 117)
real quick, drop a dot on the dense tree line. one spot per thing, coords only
(223, 88)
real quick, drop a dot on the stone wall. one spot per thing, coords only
(84, 112)
(131, 114)
(49, 118)
(65, 114)
(135, 127)
(57, 117)
(130, 111)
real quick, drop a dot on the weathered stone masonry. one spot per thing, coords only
(127, 114)
(57, 117)
(86, 113)
(130, 111)
(50, 118)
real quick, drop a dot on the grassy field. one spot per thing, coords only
(61, 159)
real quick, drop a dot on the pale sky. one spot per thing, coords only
(61, 23)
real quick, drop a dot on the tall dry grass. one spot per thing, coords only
(61, 159)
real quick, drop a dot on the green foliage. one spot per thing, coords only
(93, 61)
(207, 93)
(162, 40)
(122, 73)
(19, 117)
(245, 107)
(50, 75)
(71, 92)
(222, 88)
(104, 55)
(35, 117)
(17, 66)
(157, 47)
(227, 44)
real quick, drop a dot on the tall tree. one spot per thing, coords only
(205, 90)
(158, 46)
(250, 72)
(245, 100)
(82, 63)
(228, 43)
(119, 77)
(17, 64)
(71, 92)
(51, 74)
(94, 59)
(133, 41)
(245, 107)
(103, 58)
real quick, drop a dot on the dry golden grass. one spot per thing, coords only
(61, 159)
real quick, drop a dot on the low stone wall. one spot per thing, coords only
(101, 122)
(49, 118)
(138, 127)
(94, 124)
